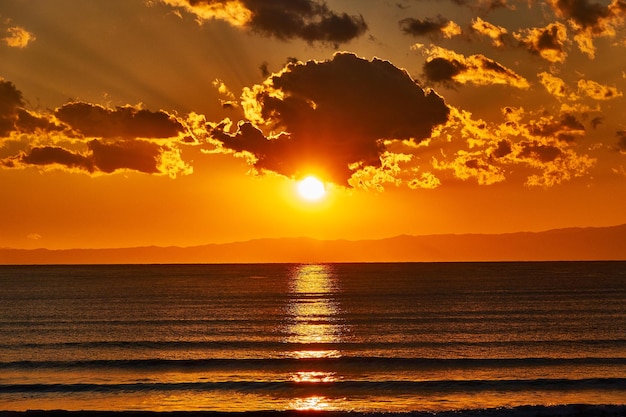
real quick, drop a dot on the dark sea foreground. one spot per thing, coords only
(573, 410)
(480, 339)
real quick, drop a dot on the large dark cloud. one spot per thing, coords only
(126, 122)
(335, 115)
(310, 20)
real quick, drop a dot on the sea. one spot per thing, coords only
(489, 339)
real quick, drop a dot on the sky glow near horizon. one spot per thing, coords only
(172, 122)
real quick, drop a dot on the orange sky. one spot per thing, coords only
(159, 122)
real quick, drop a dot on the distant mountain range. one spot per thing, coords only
(594, 243)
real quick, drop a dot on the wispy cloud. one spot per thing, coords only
(14, 36)
(446, 66)
(548, 42)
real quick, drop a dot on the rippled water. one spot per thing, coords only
(351, 337)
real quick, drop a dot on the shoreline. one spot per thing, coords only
(569, 410)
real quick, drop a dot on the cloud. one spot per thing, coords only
(92, 120)
(229, 101)
(309, 20)
(538, 150)
(496, 33)
(445, 66)
(17, 37)
(590, 20)
(566, 129)
(125, 138)
(598, 91)
(621, 141)
(547, 42)
(332, 116)
(14, 36)
(592, 89)
(15, 118)
(585, 14)
(424, 27)
(483, 5)
(556, 86)
(10, 102)
(105, 157)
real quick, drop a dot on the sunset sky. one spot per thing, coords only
(182, 122)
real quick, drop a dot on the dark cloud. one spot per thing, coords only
(11, 101)
(442, 70)
(130, 154)
(503, 149)
(591, 19)
(127, 122)
(541, 152)
(13, 116)
(583, 12)
(566, 129)
(422, 27)
(119, 134)
(134, 155)
(310, 20)
(597, 121)
(570, 122)
(334, 116)
(48, 155)
(29, 122)
(482, 5)
(547, 42)
(305, 19)
(446, 66)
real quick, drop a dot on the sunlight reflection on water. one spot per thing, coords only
(312, 314)
(312, 318)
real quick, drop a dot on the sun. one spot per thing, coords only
(311, 189)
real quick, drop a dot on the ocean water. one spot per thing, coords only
(417, 337)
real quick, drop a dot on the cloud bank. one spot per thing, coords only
(90, 138)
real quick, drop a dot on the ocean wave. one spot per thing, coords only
(295, 389)
(346, 346)
(566, 410)
(320, 364)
